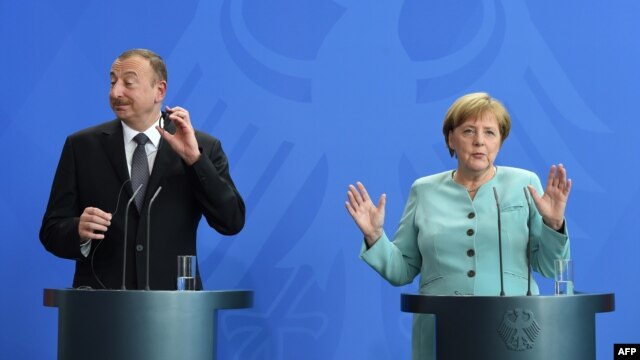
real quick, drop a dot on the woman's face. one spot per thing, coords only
(476, 143)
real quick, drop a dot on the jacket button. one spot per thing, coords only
(471, 273)
(139, 247)
(470, 252)
(471, 215)
(470, 232)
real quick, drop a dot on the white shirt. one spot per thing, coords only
(151, 146)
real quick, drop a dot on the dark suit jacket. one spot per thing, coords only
(92, 171)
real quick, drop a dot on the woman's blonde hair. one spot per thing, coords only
(472, 106)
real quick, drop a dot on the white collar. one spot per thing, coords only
(151, 132)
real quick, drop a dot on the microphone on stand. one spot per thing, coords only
(126, 232)
(495, 195)
(153, 198)
(526, 195)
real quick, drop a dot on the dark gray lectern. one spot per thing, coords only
(134, 324)
(513, 327)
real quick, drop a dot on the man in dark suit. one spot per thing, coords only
(85, 216)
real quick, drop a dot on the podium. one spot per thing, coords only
(135, 324)
(513, 327)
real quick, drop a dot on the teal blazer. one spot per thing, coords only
(452, 242)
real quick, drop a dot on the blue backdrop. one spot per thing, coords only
(307, 97)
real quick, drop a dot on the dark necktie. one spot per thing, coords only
(140, 168)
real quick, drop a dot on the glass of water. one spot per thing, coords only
(563, 269)
(186, 272)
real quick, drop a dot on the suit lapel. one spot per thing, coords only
(113, 143)
(165, 158)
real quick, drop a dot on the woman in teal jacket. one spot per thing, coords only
(448, 232)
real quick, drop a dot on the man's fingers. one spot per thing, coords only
(179, 115)
(93, 223)
(96, 219)
(92, 231)
(93, 211)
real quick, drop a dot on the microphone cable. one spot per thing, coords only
(495, 195)
(526, 195)
(95, 250)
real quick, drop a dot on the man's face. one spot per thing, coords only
(136, 93)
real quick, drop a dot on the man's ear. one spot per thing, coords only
(161, 91)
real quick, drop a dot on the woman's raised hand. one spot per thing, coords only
(366, 215)
(552, 203)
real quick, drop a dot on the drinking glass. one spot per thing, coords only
(563, 269)
(186, 273)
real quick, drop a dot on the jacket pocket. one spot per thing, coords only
(511, 207)
(519, 276)
(430, 282)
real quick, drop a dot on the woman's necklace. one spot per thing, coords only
(475, 189)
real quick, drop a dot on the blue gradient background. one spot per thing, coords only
(308, 96)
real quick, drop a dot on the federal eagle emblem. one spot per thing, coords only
(519, 329)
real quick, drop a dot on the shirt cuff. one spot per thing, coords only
(85, 247)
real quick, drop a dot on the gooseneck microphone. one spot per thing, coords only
(526, 195)
(153, 198)
(126, 232)
(495, 195)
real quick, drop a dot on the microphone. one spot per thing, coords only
(526, 195)
(153, 198)
(495, 195)
(126, 232)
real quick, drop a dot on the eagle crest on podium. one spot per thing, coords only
(519, 329)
